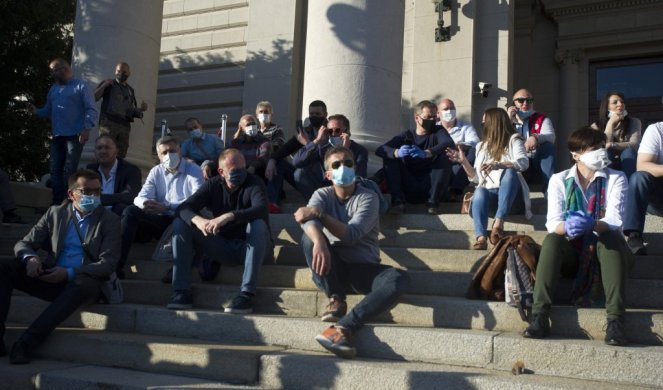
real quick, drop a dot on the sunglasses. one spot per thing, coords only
(523, 100)
(337, 164)
(336, 130)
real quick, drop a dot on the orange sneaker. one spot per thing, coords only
(337, 341)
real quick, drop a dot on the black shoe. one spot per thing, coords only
(181, 299)
(539, 327)
(636, 244)
(614, 335)
(432, 208)
(397, 208)
(19, 354)
(241, 304)
(168, 277)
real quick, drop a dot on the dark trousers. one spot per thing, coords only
(381, 284)
(150, 225)
(558, 256)
(65, 298)
(413, 186)
(645, 194)
(65, 155)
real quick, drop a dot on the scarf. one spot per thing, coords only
(587, 287)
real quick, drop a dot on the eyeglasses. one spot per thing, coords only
(523, 100)
(337, 164)
(88, 191)
(336, 130)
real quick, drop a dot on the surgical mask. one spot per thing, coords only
(89, 203)
(196, 134)
(333, 141)
(596, 159)
(316, 121)
(610, 113)
(264, 118)
(343, 176)
(428, 124)
(237, 176)
(171, 161)
(122, 77)
(448, 115)
(251, 130)
(525, 114)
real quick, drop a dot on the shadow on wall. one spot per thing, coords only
(407, 111)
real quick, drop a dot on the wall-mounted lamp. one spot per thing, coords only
(442, 34)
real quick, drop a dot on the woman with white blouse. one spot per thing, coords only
(500, 159)
(585, 212)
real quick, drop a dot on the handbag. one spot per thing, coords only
(111, 288)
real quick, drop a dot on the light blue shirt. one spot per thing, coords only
(193, 149)
(463, 133)
(171, 189)
(70, 107)
(72, 254)
(108, 183)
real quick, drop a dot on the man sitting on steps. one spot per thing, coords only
(340, 242)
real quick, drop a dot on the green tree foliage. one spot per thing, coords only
(32, 32)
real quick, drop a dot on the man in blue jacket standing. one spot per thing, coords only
(72, 111)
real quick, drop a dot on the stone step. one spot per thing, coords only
(283, 370)
(644, 293)
(25, 376)
(163, 355)
(580, 359)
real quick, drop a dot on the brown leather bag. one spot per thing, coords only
(488, 281)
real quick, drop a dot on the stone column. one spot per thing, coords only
(568, 105)
(110, 31)
(353, 62)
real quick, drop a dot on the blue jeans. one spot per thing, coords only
(502, 197)
(310, 178)
(644, 194)
(284, 170)
(250, 252)
(543, 164)
(65, 155)
(416, 186)
(383, 285)
(625, 161)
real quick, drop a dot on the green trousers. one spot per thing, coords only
(559, 256)
(119, 133)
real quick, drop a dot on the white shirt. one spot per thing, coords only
(652, 142)
(108, 184)
(171, 189)
(463, 133)
(514, 154)
(616, 196)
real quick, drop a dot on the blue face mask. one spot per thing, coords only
(89, 203)
(237, 177)
(343, 176)
(525, 114)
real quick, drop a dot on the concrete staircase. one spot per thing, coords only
(434, 337)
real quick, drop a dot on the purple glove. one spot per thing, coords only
(416, 152)
(578, 223)
(403, 151)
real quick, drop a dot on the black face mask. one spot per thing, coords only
(316, 121)
(428, 124)
(122, 77)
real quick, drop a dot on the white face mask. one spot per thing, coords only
(171, 161)
(196, 133)
(251, 131)
(610, 113)
(448, 115)
(264, 118)
(595, 159)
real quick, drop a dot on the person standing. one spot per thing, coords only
(71, 109)
(118, 107)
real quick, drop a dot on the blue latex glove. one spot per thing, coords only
(416, 152)
(578, 223)
(403, 151)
